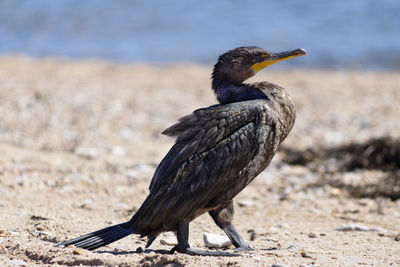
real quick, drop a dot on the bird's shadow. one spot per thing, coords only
(138, 251)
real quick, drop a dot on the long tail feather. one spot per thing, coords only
(101, 237)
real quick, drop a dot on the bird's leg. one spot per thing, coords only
(223, 218)
(150, 241)
(236, 239)
(184, 247)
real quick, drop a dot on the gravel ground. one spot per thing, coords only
(80, 141)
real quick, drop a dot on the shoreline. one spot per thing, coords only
(173, 64)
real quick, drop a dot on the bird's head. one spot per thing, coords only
(239, 64)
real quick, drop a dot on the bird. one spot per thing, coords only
(218, 151)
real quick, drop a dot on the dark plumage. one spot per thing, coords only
(219, 150)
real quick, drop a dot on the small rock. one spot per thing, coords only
(121, 205)
(132, 174)
(2, 233)
(334, 192)
(279, 265)
(18, 262)
(358, 227)
(88, 204)
(78, 251)
(283, 225)
(118, 150)
(126, 133)
(86, 152)
(245, 203)
(39, 218)
(216, 241)
(365, 202)
(273, 230)
(312, 235)
(168, 239)
(304, 254)
(15, 233)
(43, 233)
(139, 170)
(381, 205)
(355, 211)
(397, 237)
(252, 234)
(285, 195)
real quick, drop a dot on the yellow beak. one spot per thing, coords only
(277, 57)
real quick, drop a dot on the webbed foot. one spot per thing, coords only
(243, 248)
(199, 252)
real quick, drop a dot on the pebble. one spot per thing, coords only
(169, 239)
(334, 192)
(78, 251)
(18, 262)
(139, 170)
(118, 151)
(15, 233)
(397, 237)
(285, 195)
(126, 133)
(216, 241)
(39, 218)
(312, 235)
(283, 225)
(304, 254)
(246, 203)
(273, 230)
(75, 178)
(121, 205)
(252, 234)
(86, 152)
(279, 265)
(43, 233)
(88, 204)
(358, 227)
(132, 174)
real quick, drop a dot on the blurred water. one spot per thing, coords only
(337, 34)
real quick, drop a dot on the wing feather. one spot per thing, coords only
(216, 154)
(204, 129)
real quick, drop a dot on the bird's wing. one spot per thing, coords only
(230, 130)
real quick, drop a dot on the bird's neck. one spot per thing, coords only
(228, 92)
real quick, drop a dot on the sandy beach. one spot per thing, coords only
(80, 140)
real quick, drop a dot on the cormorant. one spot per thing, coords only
(219, 150)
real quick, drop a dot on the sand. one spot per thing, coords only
(80, 140)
